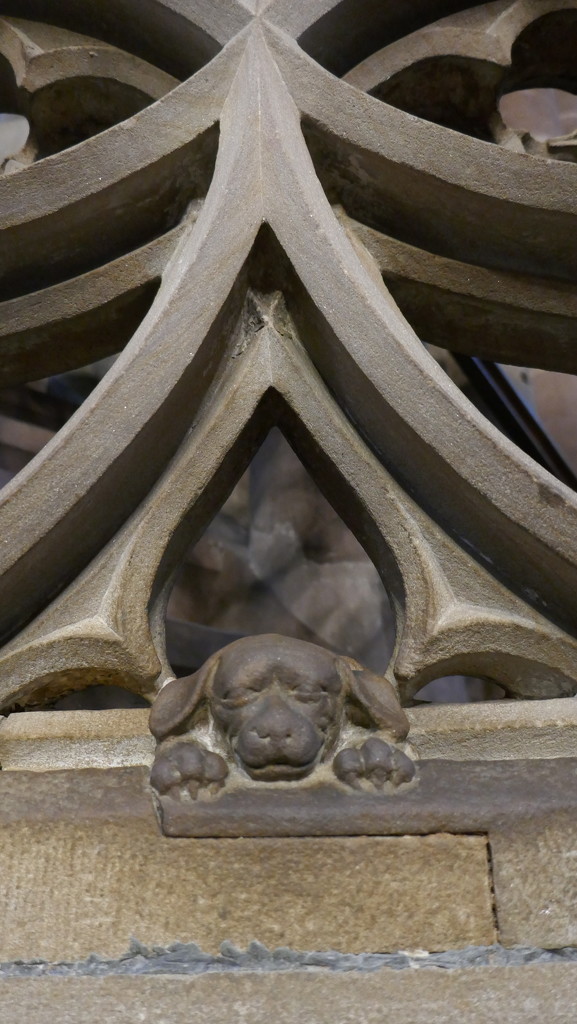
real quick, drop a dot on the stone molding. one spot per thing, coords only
(499, 730)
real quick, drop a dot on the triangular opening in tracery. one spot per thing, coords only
(278, 559)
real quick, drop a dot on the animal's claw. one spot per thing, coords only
(375, 763)
(182, 770)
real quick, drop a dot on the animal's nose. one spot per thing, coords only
(275, 722)
(273, 731)
(277, 734)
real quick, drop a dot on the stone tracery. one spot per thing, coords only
(364, 204)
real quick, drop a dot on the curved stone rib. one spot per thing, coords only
(120, 152)
(72, 643)
(110, 224)
(178, 36)
(451, 615)
(486, 32)
(87, 653)
(342, 33)
(82, 320)
(399, 172)
(512, 513)
(221, 22)
(40, 58)
(529, 659)
(434, 41)
(363, 21)
(132, 177)
(503, 507)
(151, 395)
(516, 15)
(492, 314)
(360, 312)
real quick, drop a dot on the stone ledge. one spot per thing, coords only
(496, 730)
(451, 796)
(55, 740)
(493, 731)
(483, 995)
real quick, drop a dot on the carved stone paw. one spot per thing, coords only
(182, 770)
(375, 763)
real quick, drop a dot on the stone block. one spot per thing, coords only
(535, 878)
(71, 889)
(53, 740)
(497, 730)
(482, 995)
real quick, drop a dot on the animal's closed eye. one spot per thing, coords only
(310, 696)
(236, 698)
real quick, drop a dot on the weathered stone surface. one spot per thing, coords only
(61, 830)
(74, 889)
(460, 797)
(498, 730)
(56, 740)
(485, 995)
(535, 878)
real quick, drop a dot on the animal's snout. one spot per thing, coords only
(277, 735)
(276, 724)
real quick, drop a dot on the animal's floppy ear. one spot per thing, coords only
(377, 698)
(178, 700)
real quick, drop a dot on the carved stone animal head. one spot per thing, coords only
(279, 703)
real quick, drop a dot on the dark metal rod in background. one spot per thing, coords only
(514, 416)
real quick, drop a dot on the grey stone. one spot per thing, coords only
(527, 995)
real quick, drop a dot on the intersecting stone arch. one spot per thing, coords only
(287, 189)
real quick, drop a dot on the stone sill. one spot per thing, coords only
(496, 730)
(499, 730)
(55, 740)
